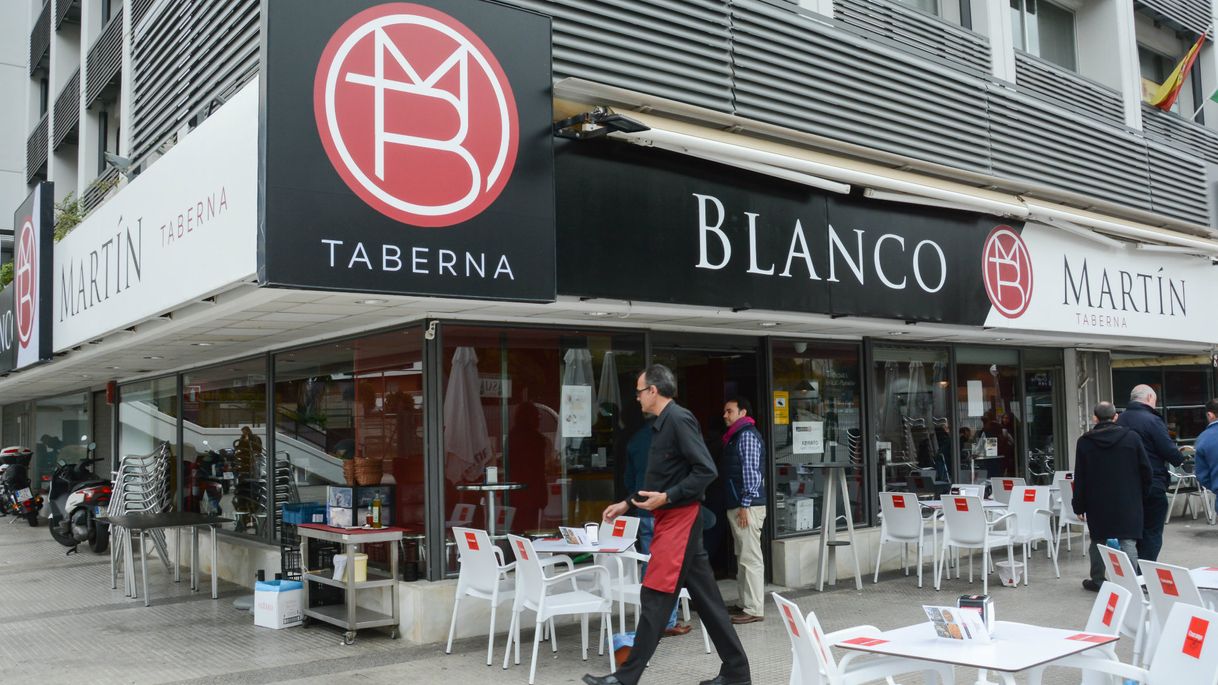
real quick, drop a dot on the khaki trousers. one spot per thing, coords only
(750, 572)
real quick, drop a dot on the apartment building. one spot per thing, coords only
(922, 237)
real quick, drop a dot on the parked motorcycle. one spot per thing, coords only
(17, 498)
(78, 496)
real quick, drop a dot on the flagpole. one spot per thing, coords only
(1194, 116)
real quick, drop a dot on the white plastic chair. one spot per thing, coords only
(1187, 484)
(1003, 487)
(1187, 652)
(813, 662)
(1106, 618)
(1033, 522)
(901, 522)
(1119, 570)
(629, 590)
(535, 592)
(1058, 477)
(482, 575)
(1066, 518)
(966, 526)
(975, 489)
(1166, 586)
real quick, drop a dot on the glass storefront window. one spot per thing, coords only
(226, 470)
(987, 382)
(1182, 390)
(63, 431)
(354, 404)
(911, 419)
(816, 419)
(148, 416)
(551, 410)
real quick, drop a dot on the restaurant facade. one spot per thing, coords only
(406, 240)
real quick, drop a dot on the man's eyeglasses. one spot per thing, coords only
(640, 391)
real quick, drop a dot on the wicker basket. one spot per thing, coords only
(368, 471)
(349, 471)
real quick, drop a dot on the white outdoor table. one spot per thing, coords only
(937, 505)
(1205, 577)
(1014, 648)
(560, 546)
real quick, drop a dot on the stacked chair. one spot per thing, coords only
(141, 486)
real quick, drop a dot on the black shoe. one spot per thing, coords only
(1091, 585)
(601, 680)
(723, 680)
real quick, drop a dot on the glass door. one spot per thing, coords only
(706, 378)
(989, 413)
(910, 413)
(1043, 387)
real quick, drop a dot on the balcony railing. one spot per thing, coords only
(1067, 89)
(915, 30)
(105, 59)
(1194, 15)
(1180, 133)
(67, 10)
(139, 9)
(67, 111)
(36, 151)
(99, 189)
(40, 40)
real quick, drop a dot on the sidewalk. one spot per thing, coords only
(61, 623)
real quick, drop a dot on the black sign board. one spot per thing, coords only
(407, 148)
(647, 225)
(26, 303)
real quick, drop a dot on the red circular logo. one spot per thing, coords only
(25, 279)
(1006, 267)
(416, 115)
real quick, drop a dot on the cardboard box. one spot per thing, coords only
(277, 603)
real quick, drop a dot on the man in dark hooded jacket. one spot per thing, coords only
(1111, 478)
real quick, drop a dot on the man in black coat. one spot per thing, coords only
(1141, 418)
(1111, 477)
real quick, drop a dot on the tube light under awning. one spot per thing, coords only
(837, 174)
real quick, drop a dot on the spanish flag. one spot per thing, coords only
(1165, 96)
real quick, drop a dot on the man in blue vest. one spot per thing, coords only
(745, 482)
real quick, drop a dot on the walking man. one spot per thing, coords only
(1140, 417)
(1111, 478)
(1206, 455)
(679, 469)
(742, 450)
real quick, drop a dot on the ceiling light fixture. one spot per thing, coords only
(201, 344)
(371, 301)
(769, 324)
(898, 333)
(154, 356)
(597, 315)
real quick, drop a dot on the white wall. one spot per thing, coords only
(14, 124)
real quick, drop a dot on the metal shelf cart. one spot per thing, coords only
(347, 615)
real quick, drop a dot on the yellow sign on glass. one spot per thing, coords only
(782, 407)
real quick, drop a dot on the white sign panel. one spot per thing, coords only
(808, 437)
(181, 231)
(976, 401)
(576, 411)
(1043, 278)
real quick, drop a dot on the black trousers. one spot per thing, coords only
(705, 599)
(1154, 517)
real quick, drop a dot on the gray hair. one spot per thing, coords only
(663, 378)
(1141, 393)
(1104, 411)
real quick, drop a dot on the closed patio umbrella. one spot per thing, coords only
(467, 446)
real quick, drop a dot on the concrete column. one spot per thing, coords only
(1110, 56)
(125, 89)
(90, 27)
(993, 19)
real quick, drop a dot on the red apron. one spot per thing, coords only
(668, 546)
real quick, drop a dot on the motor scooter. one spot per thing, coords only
(17, 498)
(78, 496)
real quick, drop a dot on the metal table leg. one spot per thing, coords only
(393, 589)
(349, 589)
(194, 558)
(144, 563)
(214, 563)
(177, 555)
